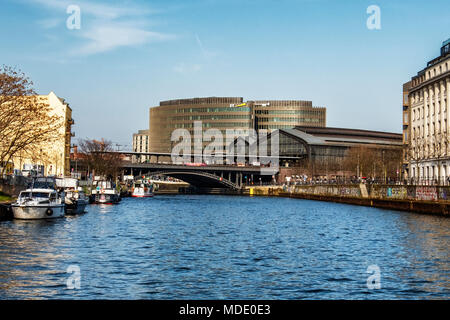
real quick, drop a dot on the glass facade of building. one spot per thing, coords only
(214, 113)
(224, 113)
(285, 114)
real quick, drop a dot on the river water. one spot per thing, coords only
(227, 247)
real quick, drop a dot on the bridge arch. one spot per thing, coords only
(200, 179)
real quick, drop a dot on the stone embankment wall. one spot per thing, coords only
(421, 193)
(422, 199)
(12, 185)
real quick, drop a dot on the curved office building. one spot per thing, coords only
(228, 113)
(270, 115)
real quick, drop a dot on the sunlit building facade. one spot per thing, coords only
(428, 146)
(51, 159)
(406, 129)
(141, 143)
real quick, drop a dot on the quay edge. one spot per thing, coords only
(5, 211)
(440, 207)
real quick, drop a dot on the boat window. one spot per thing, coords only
(42, 183)
(40, 195)
(105, 184)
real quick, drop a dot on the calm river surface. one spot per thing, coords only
(223, 247)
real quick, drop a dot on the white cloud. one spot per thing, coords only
(206, 53)
(50, 23)
(98, 9)
(186, 68)
(108, 26)
(104, 38)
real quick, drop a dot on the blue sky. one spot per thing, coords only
(129, 55)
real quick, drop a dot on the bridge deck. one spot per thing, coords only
(215, 168)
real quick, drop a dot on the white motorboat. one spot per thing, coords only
(142, 189)
(39, 204)
(104, 192)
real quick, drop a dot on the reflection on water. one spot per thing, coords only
(218, 247)
(29, 262)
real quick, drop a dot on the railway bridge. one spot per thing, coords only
(202, 176)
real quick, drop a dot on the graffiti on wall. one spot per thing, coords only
(444, 193)
(350, 191)
(426, 193)
(411, 192)
(397, 192)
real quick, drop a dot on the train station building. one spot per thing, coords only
(337, 153)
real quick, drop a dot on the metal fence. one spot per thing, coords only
(438, 181)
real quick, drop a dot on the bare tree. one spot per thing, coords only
(99, 157)
(26, 123)
(360, 160)
(371, 162)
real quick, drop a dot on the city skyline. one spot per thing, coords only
(128, 56)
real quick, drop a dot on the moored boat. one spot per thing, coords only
(104, 192)
(142, 189)
(75, 199)
(39, 204)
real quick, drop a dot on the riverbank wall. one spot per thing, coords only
(5, 212)
(12, 185)
(420, 199)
